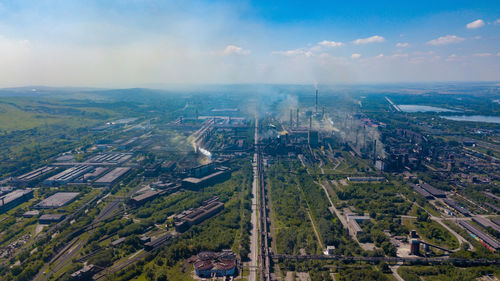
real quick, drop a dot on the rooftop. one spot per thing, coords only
(57, 200)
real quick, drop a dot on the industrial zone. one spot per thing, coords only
(216, 191)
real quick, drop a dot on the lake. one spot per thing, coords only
(474, 118)
(411, 108)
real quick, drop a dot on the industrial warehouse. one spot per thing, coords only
(57, 200)
(192, 217)
(112, 177)
(14, 198)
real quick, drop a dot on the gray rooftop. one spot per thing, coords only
(57, 200)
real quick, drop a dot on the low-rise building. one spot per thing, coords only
(210, 264)
(195, 216)
(144, 197)
(31, 214)
(85, 273)
(50, 218)
(432, 190)
(353, 223)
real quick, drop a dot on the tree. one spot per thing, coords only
(422, 216)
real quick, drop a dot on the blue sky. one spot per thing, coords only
(144, 43)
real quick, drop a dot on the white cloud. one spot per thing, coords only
(379, 56)
(445, 40)
(497, 21)
(402, 45)
(498, 54)
(327, 43)
(235, 50)
(483, 55)
(296, 52)
(452, 57)
(475, 24)
(355, 56)
(400, 56)
(419, 53)
(373, 39)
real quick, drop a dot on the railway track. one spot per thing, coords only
(266, 254)
(392, 260)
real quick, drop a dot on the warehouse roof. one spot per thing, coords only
(57, 200)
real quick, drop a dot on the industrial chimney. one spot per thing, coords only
(297, 118)
(316, 100)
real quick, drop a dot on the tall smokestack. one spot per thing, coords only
(323, 113)
(310, 122)
(297, 118)
(316, 100)
(291, 117)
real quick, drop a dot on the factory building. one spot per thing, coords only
(192, 217)
(210, 264)
(145, 197)
(110, 158)
(432, 190)
(421, 191)
(57, 200)
(154, 244)
(201, 170)
(91, 175)
(353, 223)
(219, 175)
(112, 177)
(14, 198)
(85, 273)
(152, 170)
(68, 175)
(117, 242)
(31, 214)
(454, 205)
(35, 175)
(50, 218)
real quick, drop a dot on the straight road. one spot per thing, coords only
(254, 233)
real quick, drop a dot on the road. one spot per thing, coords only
(395, 273)
(460, 239)
(254, 233)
